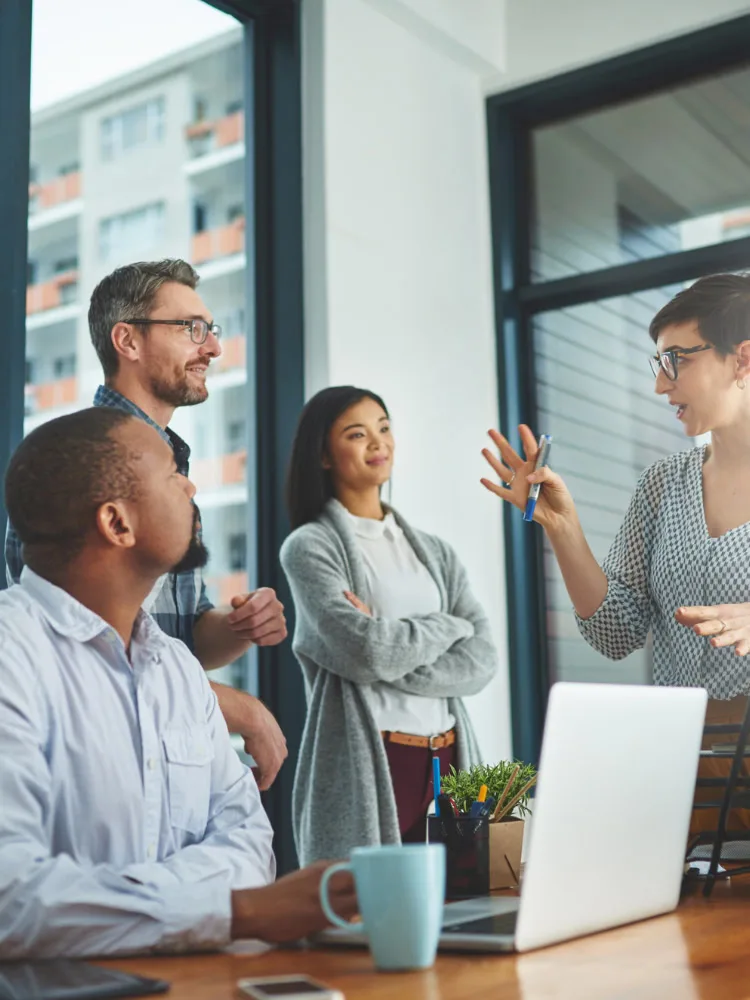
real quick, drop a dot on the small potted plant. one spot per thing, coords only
(508, 785)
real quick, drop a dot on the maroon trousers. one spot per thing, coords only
(411, 774)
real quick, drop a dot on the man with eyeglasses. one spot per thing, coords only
(155, 339)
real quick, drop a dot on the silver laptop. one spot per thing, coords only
(607, 841)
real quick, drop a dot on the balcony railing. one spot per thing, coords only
(58, 291)
(223, 470)
(47, 395)
(56, 192)
(207, 136)
(232, 355)
(228, 586)
(221, 242)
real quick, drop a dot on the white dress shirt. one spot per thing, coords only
(126, 818)
(400, 586)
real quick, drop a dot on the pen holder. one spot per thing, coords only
(467, 846)
(506, 841)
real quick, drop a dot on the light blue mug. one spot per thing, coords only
(400, 889)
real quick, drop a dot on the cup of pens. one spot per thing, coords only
(482, 835)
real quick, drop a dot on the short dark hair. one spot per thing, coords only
(718, 303)
(60, 475)
(128, 293)
(308, 484)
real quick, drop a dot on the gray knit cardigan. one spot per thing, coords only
(343, 795)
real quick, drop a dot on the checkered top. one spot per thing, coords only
(181, 599)
(662, 559)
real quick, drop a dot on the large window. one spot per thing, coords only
(649, 177)
(595, 395)
(612, 187)
(112, 208)
(201, 62)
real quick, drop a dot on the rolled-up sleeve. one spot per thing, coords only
(621, 623)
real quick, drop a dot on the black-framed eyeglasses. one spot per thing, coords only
(199, 328)
(668, 362)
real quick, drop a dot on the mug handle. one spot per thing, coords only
(342, 866)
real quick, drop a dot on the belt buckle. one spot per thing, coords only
(435, 746)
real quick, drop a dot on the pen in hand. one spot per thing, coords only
(542, 455)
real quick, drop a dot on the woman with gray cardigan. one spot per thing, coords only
(388, 635)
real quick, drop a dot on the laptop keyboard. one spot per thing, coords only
(498, 923)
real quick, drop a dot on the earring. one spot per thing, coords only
(740, 383)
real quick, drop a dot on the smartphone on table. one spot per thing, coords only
(288, 987)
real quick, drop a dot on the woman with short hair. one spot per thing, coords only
(679, 566)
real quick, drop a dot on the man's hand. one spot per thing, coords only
(264, 740)
(290, 907)
(727, 624)
(258, 617)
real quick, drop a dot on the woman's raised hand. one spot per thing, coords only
(555, 504)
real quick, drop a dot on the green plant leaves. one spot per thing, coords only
(463, 786)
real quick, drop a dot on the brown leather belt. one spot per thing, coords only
(425, 742)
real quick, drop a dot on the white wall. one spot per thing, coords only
(546, 37)
(398, 269)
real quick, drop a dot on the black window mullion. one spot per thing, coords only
(15, 101)
(510, 200)
(275, 192)
(638, 276)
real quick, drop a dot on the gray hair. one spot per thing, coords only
(128, 293)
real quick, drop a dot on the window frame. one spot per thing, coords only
(275, 357)
(511, 119)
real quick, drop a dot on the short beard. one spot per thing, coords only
(178, 392)
(196, 556)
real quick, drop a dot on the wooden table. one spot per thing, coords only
(700, 951)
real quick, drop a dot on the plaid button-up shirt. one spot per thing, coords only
(178, 599)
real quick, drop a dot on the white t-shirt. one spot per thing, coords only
(400, 586)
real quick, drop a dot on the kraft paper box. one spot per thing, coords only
(506, 840)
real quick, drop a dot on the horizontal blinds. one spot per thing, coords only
(595, 395)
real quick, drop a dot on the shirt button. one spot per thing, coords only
(151, 763)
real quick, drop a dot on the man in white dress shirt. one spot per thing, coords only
(127, 822)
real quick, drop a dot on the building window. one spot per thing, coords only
(200, 215)
(238, 552)
(65, 367)
(235, 436)
(141, 125)
(132, 234)
(64, 264)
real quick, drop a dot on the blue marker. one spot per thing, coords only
(436, 782)
(545, 443)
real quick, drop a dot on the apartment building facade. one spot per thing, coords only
(149, 165)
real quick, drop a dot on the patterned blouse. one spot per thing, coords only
(663, 558)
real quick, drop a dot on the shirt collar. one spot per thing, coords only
(368, 527)
(70, 618)
(107, 396)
